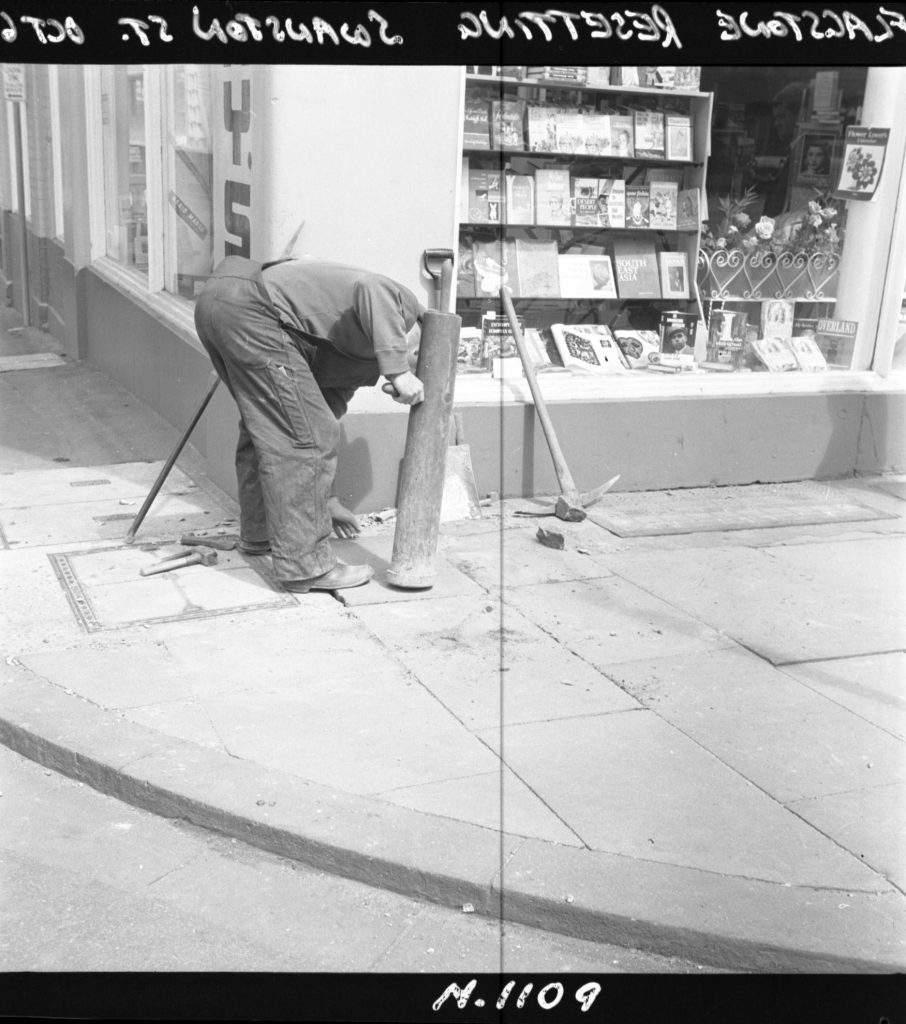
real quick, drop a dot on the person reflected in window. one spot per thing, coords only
(786, 104)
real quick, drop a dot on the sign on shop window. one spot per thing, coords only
(14, 83)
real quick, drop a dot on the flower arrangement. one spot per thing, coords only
(813, 229)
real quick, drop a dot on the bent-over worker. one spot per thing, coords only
(293, 340)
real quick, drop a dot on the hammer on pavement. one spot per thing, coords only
(195, 558)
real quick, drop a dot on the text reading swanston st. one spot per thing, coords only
(653, 25)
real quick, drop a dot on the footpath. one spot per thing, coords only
(683, 732)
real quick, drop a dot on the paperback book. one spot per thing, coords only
(589, 347)
(662, 209)
(775, 354)
(837, 339)
(777, 318)
(688, 216)
(585, 202)
(485, 196)
(507, 118)
(541, 126)
(552, 196)
(639, 348)
(476, 124)
(489, 261)
(520, 199)
(636, 268)
(537, 266)
(678, 142)
(584, 276)
(621, 135)
(611, 203)
(638, 200)
(648, 126)
(674, 267)
(808, 355)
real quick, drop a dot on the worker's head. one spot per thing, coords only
(413, 343)
(786, 106)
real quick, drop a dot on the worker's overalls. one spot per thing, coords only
(286, 456)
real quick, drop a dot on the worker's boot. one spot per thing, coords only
(340, 577)
(254, 547)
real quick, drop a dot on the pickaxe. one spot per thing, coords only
(180, 562)
(570, 505)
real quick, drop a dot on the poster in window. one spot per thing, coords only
(863, 160)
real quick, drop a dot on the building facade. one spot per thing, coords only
(121, 186)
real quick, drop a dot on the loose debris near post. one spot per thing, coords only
(551, 539)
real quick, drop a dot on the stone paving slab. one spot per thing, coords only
(484, 676)
(648, 792)
(128, 481)
(498, 800)
(33, 606)
(873, 687)
(697, 509)
(795, 742)
(785, 602)
(611, 620)
(869, 822)
(32, 361)
(516, 558)
(377, 551)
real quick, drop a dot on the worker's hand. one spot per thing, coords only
(405, 388)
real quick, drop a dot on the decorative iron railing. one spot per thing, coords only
(759, 275)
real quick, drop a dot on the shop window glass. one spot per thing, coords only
(188, 167)
(773, 230)
(124, 144)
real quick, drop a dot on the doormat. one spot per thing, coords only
(713, 509)
(106, 590)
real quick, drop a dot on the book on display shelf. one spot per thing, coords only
(678, 137)
(590, 347)
(777, 318)
(507, 120)
(638, 206)
(541, 126)
(674, 267)
(774, 354)
(537, 266)
(465, 269)
(485, 196)
(808, 355)
(611, 203)
(688, 215)
(489, 260)
(586, 276)
(648, 128)
(636, 268)
(520, 199)
(476, 124)
(640, 348)
(837, 339)
(585, 202)
(552, 196)
(662, 207)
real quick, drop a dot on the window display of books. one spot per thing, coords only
(582, 194)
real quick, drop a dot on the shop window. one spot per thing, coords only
(187, 172)
(124, 163)
(774, 234)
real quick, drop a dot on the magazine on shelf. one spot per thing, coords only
(552, 196)
(585, 276)
(536, 263)
(465, 269)
(589, 347)
(621, 135)
(662, 206)
(678, 137)
(674, 268)
(470, 351)
(640, 348)
(636, 268)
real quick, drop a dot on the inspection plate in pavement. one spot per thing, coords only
(105, 589)
(753, 507)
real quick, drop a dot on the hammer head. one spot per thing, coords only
(203, 557)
